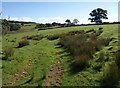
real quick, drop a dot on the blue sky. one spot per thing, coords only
(48, 12)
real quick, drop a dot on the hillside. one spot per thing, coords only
(42, 62)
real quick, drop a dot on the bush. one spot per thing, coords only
(41, 26)
(22, 43)
(8, 52)
(14, 26)
(5, 27)
(81, 60)
(53, 37)
(101, 56)
(35, 37)
(111, 75)
(82, 45)
(117, 56)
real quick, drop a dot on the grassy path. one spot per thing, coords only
(53, 78)
(20, 74)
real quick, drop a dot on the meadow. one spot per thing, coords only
(43, 62)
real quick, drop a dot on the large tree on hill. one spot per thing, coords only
(97, 15)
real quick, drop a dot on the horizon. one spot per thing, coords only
(48, 12)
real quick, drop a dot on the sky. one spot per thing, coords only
(48, 12)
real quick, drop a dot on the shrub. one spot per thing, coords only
(41, 26)
(33, 37)
(36, 37)
(53, 37)
(82, 45)
(5, 27)
(101, 56)
(14, 26)
(117, 56)
(111, 75)
(81, 60)
(8, 52)
(105, 41)
(22, 43)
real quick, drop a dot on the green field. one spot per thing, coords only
(33, 62)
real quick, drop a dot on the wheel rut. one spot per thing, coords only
(54, 75)
(19, 75)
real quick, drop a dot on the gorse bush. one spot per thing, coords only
(82, 45)
(8, 52)
(22, 43)
(53, 37)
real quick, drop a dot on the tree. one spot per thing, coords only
(97, 15)
(68, 21)
(75, 21)
(54, 24)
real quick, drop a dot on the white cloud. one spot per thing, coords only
(27, 19)
(53, 19)
(58, 19)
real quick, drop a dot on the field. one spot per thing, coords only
(44, 63)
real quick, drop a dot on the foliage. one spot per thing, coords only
(111, 75)
(48, 24)
(55, 24)
(75, 21)
(82, 45)
(68, 21)
(35, 37)
(8, 52)
(117, 58)
(22, 43)
(5, 26)
(97, 15)
(53, 37)
(40, 26)
(14, 27)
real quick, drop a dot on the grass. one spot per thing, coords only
(44, 52)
